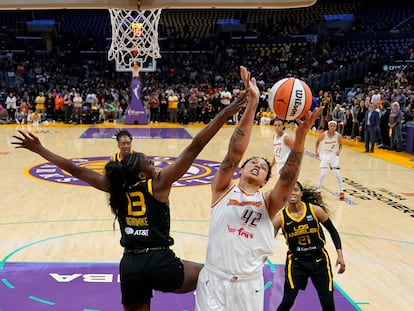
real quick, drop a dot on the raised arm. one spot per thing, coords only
(279, 194)
(31, 142)
(239, 140)
(173, 172)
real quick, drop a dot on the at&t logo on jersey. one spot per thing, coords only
(131, 231)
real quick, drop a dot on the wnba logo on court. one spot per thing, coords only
(200, 173)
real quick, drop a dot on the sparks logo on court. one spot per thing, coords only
(200, 173)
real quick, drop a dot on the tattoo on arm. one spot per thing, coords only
(290, 170)
(228, 164)
(237, 135)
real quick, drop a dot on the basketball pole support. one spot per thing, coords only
(135, 112)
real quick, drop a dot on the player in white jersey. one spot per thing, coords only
(242, 231)
(330, 143)
(282, 143)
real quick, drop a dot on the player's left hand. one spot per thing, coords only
(341, 263)
(27, 141)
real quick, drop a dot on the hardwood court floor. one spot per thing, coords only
(45, 221)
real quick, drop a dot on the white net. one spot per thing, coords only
(134, 37)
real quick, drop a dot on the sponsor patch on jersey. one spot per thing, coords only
(200, 173)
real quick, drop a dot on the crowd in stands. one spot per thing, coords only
(76, 84)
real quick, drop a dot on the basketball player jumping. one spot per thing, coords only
(140, 199)
(242, 233)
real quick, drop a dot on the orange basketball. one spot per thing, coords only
(290, 98)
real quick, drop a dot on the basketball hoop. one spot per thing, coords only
(134, 37)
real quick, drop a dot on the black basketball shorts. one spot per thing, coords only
(141, 273)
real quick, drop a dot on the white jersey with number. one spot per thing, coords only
(281, 151)
(328, 149)
(241, 238)
(329, 144)
(243, 234)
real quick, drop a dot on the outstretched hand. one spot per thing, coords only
(306, 122)
(245, 76)
(31, 142)
(250, 84)
(27, 141)
(237, 104)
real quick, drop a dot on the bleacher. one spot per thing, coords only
(298, 41)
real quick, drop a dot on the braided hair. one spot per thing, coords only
(309, 195)
(123, 133)
(122, 175)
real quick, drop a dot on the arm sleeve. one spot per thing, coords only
(334, 233)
